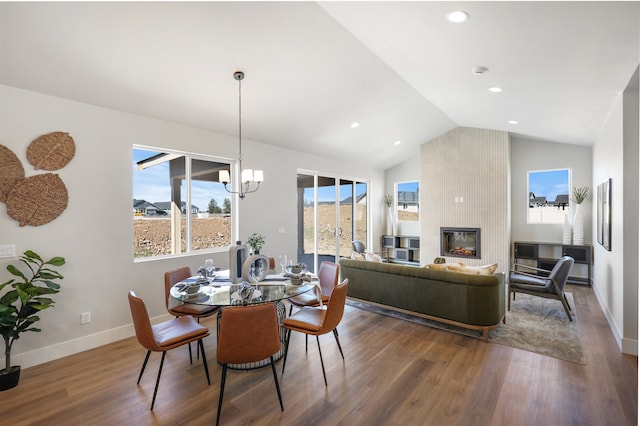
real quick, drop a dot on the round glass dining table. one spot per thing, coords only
(221, 292)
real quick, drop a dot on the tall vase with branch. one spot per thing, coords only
(579, 196)
(388, 201)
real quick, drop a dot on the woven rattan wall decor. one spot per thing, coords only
(52, 151)
(11, 171)
(39, 199)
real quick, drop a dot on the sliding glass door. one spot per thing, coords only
(332, 212)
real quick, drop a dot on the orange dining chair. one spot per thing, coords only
(165, 336)
(317, 321)
(328, 276)
(173, 277)
(247, 334)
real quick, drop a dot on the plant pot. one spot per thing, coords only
(9, 378)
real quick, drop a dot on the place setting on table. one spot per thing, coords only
(217, 287)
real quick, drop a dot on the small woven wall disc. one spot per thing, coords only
(11, 171)
(52, 151)
(37, 200)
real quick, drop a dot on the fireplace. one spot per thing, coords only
(460, 242)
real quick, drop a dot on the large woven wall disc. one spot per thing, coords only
(52, 151)
(37, 200)
(11, 171)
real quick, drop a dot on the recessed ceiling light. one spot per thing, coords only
(513, 122)
(354, 124)
(495, 89)
(396, 143)
(457, 16)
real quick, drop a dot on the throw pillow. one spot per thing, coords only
(464, 269)
(357, 256)
(372, 257)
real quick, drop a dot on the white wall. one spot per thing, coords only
(407, 171)
(94, 233)
(611, 285)
(529, 155)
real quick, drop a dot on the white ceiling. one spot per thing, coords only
(398, 68)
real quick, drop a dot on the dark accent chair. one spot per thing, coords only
(358, 246)
(551, 286)
(247, 334)
(165, 336)
(316, 321)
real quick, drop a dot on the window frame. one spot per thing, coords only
(188, 184)
(569, 205)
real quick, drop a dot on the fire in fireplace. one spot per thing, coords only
(460, 242)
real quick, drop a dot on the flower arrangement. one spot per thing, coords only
(388, 200)
(256, 241)
(580, 194)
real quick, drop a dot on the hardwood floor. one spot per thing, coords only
(394, 373)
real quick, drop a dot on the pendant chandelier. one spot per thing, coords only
(250, 179)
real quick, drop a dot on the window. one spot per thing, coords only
(548, 196)
(408, 198)
(178, 204)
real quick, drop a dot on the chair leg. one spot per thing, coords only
(306, 343)
(190, 357)
(155, 391)
(144, 364)
(286, 349)
(566, 300)
(204, 360)
(290, 309)
(565, 305)
(509, 299)
(275, 377)
(224, 378)
(321, 361)
(335, 334)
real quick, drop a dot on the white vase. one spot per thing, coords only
(389, 221)
(566, 230)
(578, 226)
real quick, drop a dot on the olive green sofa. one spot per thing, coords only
(470, 301)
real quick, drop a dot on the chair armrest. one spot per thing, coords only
(526, 274)
(515, 265)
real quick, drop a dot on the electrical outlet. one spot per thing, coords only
(85, 318)
(8, 250)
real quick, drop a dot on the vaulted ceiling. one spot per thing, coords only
(399, 69)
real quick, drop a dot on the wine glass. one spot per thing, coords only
(282, 260)
(210, 269)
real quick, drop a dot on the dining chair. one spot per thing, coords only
(328, 274)
(550, 287)
(165, 336)
(247, 334)
(173, 277)
(316, 321)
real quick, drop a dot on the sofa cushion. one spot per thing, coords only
(465, 269)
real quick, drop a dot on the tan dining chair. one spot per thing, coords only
(173, 277)
(247, 334)
(165, 336)
(316, 321)
(328, 275)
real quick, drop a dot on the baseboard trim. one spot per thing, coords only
(623, 344)
(80, 344)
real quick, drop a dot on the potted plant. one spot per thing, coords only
(256, 241)
(20, 305)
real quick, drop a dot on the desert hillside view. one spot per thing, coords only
(152, 235)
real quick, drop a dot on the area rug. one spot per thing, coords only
(534, 324)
